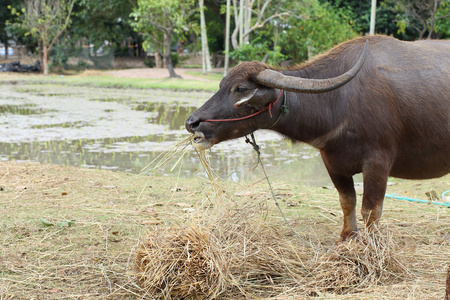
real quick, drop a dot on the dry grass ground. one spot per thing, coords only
(72, 233)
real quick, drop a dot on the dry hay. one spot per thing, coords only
(180, 264)
(364, 262)
(236, 253)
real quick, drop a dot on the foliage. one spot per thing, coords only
(310, 24)
(257, 50)
(162, 22)
(300, 25)
(149, 63)
(7, 17)
(385, 23)
(319, 26)
(420, 15)
(111, 22)
(249, 18)
(442, 24)
(154, 18)
(45, 20)
(214, 26)
(358, 12)
(61, 54)
(109, 18)
(10, 12)
(10, 28)
(82, 65)
(175, 59)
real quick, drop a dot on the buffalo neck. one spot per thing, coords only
(313, 118)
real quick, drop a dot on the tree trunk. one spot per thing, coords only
(227, 40)
(234, 41)
(45, 59)
(247, 21)
(206, 63)
(41, 60)
(158, 60)
(167, 42)
(433, 16)
(234, 35)
(422, 33)
(373, 12)
(241, 22)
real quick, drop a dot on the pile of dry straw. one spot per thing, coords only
(235, 251)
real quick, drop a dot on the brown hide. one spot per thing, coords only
(392, 119)
(447, 289)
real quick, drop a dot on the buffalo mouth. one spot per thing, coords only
(200, 142)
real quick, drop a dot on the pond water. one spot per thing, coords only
(126, 129)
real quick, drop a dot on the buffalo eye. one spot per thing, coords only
(241, 89)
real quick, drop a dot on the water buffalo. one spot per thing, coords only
(382, 110)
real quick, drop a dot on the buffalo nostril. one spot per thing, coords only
(192, 123)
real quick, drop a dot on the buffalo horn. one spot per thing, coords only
(265, 58)
(276, 79)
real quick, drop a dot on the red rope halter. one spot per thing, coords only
(268, 107)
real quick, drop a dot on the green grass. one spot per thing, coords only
(211, 76)
(192, 66)
(111, 81)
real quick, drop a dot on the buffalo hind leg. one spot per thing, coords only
(375, 177)
(347, 198)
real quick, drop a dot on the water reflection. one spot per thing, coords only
(126, 129)
(174, 115)
(20, 109)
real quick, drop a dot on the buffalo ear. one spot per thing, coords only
(259, 98)
(246, 98)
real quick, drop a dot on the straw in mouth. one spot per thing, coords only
(200, 142)
(198, 139)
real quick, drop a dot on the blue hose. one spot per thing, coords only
(419, 200)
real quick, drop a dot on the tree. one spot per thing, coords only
(357, 13)
(313, 27)
(46, 20)
(6, 17)
(113, 33)
(111, 20)
(161, 21)
(419, 14)
(442, 22)
(243, 19)
(291, 29)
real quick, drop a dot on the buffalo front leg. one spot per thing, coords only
(375, 177)
(347, 198)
